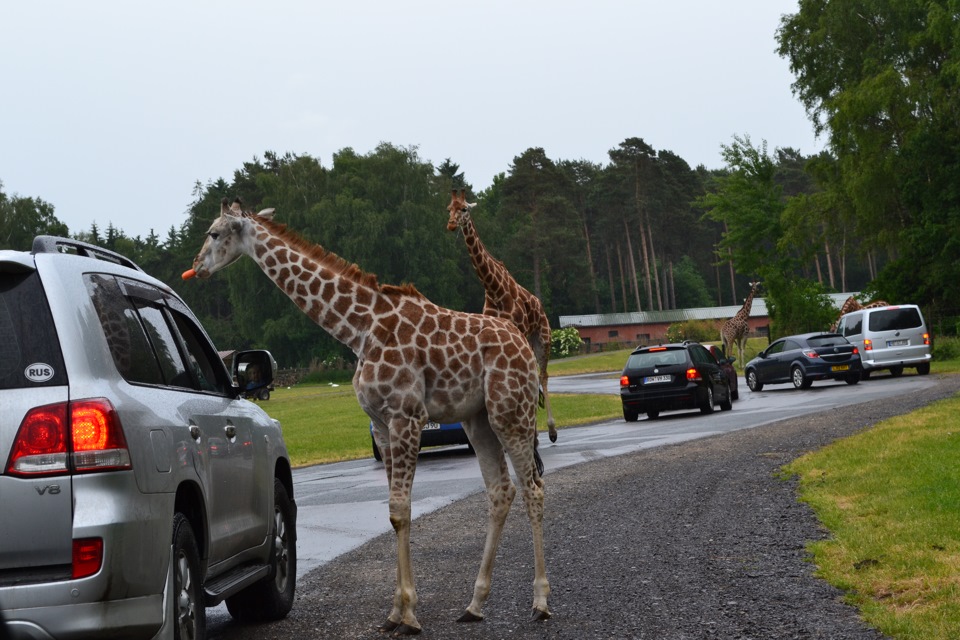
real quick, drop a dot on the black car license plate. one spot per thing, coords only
(656, 379)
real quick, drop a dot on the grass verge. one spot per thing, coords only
(890, 497)
(325, 423)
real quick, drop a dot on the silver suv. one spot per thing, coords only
(137, 485)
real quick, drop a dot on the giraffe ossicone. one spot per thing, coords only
(416, 362)
(504, 297)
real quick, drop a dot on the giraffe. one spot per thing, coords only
(504, 297)
(852, 304)
(734, 331)
(416, 362)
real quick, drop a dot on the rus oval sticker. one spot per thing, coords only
(38, 372)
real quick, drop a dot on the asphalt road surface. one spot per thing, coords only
(674, 528)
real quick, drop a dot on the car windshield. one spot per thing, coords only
(656, 358)
(895, 319)
(826, 341)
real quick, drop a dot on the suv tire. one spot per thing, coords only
(707, 407)
(189, 613)
(272, 597)
(726, 405)
(923, 369)
(630, 415)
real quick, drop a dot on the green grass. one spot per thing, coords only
(325, 424)
(890, 497)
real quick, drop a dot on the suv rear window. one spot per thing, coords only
(895, 319)
(656, 358)
(29, 349)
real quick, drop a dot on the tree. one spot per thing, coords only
(21, 219)
(879, 79)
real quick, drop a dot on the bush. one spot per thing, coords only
(946, 349)
(698, 330)
(565, 342)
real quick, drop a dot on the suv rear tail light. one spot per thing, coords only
(693, 375)
(624, 381)
(926, 339)
(87, 557)
(79, 436)
(867, 344)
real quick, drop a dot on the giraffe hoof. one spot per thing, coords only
(388, 626)
(406, 630)
(553, 436)
(539, 615)
(469, 617)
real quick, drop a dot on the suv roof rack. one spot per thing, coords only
(54, 244)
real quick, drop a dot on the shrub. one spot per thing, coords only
(698, 330)
(565, 342)
(946, 349)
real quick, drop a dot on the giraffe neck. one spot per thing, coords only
(334, 294)
(488, 269)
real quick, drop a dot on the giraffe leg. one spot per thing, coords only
(500, 495)
(540, 343)
(400, 460)
(532, 492)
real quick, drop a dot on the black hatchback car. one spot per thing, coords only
(670, 377)
(801, 359)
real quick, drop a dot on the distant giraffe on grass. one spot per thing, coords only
(734, 331)
(504, 297)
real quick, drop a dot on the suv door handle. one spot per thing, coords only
(231, 431)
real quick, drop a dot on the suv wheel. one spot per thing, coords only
(272, 597)
(707, 407)
(923, 369)
(726, 405)
(653, 414)
(853, 378)
(630, 415)
(752, 382)
(896, 372)
(800, 381)
(188, 607)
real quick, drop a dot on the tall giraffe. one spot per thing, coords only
(734, 331)
(416, 362)
(504, 297)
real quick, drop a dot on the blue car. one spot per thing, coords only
(804, 358)
(433, 435)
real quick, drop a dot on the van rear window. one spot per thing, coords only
(29, 350)
(895, 319)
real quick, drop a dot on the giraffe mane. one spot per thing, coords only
(332, 261)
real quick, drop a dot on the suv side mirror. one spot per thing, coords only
(254, 372)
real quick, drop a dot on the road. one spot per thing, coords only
(343, 505)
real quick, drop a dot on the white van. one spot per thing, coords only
(891, 338)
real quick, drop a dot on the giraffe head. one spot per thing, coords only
(459, 210)
(226, 240)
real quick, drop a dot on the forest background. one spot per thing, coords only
(876, 212)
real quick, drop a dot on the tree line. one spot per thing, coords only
(877, 211)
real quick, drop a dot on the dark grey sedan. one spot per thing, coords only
(804, 358)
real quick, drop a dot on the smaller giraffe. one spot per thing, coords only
(734, 331)
(505, 298)
(852, 304)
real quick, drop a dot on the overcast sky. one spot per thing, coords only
(112, 111)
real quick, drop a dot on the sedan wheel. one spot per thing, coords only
(752, 382)
(799, 380)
